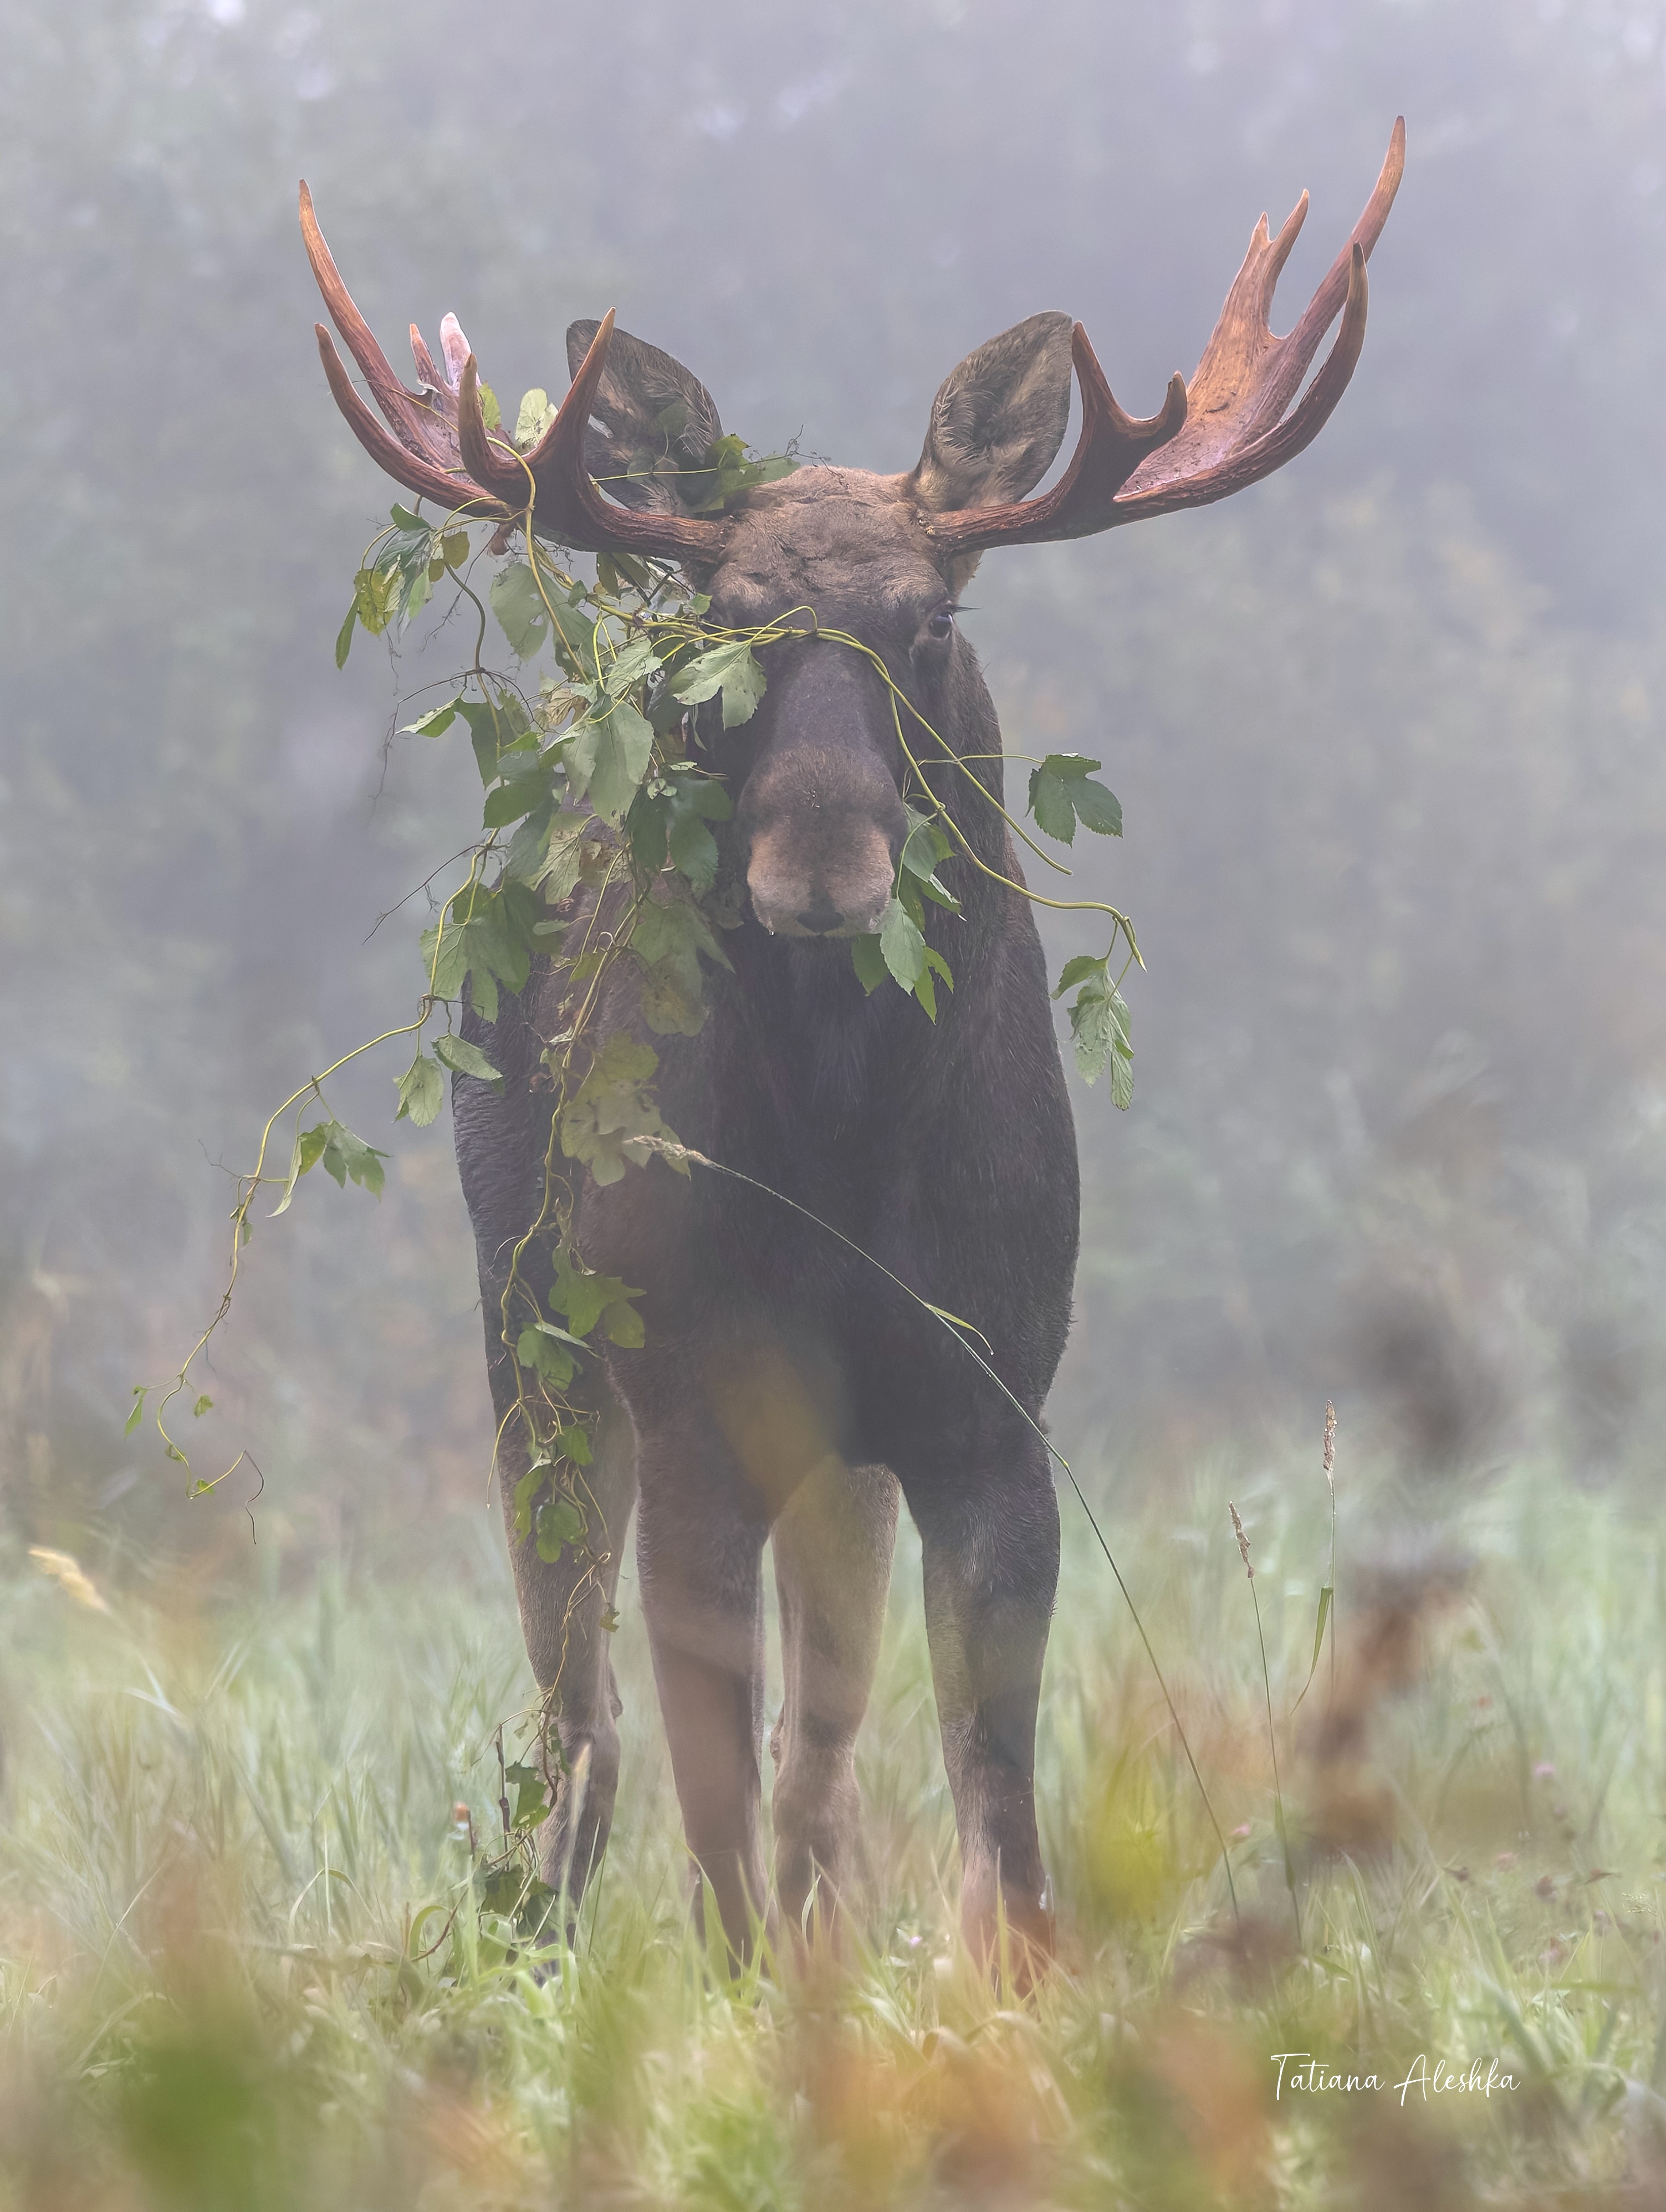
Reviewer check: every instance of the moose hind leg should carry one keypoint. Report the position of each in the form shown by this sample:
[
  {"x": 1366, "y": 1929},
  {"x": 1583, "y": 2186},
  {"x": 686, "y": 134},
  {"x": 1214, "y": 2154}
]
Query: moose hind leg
[
  {"x": 832, "y": 1543},
  {"x": 989, "y": 1541},
  {"x": 564, "y": 1607}
]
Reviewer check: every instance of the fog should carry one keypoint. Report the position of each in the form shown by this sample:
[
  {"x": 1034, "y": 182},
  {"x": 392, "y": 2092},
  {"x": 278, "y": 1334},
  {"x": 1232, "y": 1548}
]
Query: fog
[{"x": 1385, "y": 728}]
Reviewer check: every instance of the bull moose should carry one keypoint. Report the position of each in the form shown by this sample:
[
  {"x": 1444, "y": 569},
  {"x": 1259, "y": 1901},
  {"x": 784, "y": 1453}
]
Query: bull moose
[{"x": 786, "y": 1390}]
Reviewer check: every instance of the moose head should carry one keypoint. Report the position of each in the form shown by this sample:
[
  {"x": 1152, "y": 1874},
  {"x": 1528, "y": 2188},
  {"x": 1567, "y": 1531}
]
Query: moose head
[{"x": 882, "y": 557}]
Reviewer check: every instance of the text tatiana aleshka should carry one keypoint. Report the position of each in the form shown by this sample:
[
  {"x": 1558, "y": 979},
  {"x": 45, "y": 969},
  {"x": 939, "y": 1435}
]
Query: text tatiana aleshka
[{"x": 1300, "y": 2069}]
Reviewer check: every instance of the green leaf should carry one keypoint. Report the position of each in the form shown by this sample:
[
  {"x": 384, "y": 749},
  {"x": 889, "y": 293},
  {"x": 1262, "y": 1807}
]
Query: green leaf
[
  {"x": 1326, "y": 1595},
  {"x": 524, "y": 1491},
  {"x": 1100, "y": 1027},
  {"x": 344, "y": 634},
  {"x": 924, "y": 990},
  {"x": 375, "y": 597},
  {"x": 434, "y": 723},
  {"x": 307, "y": 1152},
  {"x": 695, "y": 801},
  {"x": 632, "y": 666},
  {"x": 575, "y": 639},
  {"x": 550, "y": 858},
  {"x": 421, "y": 1092},
  {"x": 531, "y": 1803},
  {"x": 613, "y": 1110},
  {"x": 445, "y": 957},
  {"x": 490, "y": 730},
  {"x": 533, "y": 419},
  {"x": 725, "y": 470},
  {"x": 509, "y": 801},
  {"x": 1096, "y": 808},
  {"x": 465, "y": 1058},
  {"x": 491, "y": 413},
  {"x": 584, "y": 1298},
  {"x": 559, "y": 1521},
  {"x": 418, "y": 590},
  {"x": 1122, "y": 1080},
  {"x": 693, "y": 850},
  {"x": 647, "y": 826},
  {"x": 571, "y": 1441},
  {"x": 731, "y": 669},
  {"x": 348, "y": 1158},
  {"x": 1078, "y": 971},
  {"x": 203, "y": 1405},
  {"x": 539, "y": 1348},
  {"x": 901, "y": 945},
  {"x": 141, "y": 1391},
  {"x": 1061, "y": 793},
  {"x": 869, "y": 961},
  {"x": 518, "y": 602},
  {"x": 1050, "y": 802},
  {"x": 622, "y": 1325},
  {"x": 607, "y": 759},
  {"x": 667, "y": 939}
]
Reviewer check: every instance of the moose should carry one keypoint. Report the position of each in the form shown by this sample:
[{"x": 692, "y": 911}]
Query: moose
[{"x": 786, "y": 1390}]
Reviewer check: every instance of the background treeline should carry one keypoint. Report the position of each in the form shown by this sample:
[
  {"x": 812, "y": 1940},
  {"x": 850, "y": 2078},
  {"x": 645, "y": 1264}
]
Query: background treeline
[{"x": 1385, "y": 730}]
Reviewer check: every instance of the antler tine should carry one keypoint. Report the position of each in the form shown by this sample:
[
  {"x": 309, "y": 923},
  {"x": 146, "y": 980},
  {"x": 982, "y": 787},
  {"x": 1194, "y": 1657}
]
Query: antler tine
[
  {"x": 1247, "y": 464},
  {"x": 449, "y": 488},
  {"x": 1223, "y": 431},
  {"x": 436, "y": 387},
  {"x": 407, "y": 412},
  {"x": 1247, "y": 377},
  {"x": 491, "y": 461}
]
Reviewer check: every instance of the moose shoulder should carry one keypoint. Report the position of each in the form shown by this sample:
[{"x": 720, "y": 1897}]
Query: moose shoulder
[{"x": 784, "y": 1388}]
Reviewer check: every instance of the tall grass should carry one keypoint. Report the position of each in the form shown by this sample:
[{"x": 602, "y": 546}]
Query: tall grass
[{"x": 243, "y": 1962}]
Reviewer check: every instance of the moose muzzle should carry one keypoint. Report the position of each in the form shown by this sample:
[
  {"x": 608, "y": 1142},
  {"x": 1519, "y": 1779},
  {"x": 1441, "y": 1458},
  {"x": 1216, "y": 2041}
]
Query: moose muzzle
[{"x": 821, "y": 811}]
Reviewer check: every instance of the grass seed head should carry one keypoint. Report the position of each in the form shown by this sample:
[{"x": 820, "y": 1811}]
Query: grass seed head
[
  {"x": 70, "y": 1576},
  {"x": 1243, "y": 1541},
  {"x": 1331, "y": 1446}
]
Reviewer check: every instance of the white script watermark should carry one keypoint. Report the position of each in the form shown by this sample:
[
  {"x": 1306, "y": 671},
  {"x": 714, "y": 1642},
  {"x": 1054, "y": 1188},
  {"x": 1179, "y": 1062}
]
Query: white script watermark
[{"x": 1425, "y": 2078}]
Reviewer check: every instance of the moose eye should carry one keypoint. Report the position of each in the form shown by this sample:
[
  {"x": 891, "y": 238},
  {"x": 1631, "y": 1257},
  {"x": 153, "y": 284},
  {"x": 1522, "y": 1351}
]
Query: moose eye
[{"x": 941, "y": 625}]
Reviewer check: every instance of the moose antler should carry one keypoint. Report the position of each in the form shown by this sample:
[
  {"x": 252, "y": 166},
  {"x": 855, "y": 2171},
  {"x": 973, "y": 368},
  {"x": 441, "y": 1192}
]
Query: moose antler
[
  {"x": 437, "y": 443},
  {"x": 1228, "y": 429}
]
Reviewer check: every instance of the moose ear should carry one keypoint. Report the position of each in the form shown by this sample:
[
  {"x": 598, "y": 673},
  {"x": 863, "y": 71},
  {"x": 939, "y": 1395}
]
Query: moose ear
[
  {"x": 657, "y": 424},
  {"x": 998, "y": 422}
]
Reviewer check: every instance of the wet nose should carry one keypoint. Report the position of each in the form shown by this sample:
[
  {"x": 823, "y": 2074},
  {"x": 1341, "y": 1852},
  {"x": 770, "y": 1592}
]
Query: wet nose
[{"x": 820, "y": 916}]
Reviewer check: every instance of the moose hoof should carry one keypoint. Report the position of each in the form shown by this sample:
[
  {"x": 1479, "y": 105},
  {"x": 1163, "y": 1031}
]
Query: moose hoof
[{"x": 1008, "y": 1929}]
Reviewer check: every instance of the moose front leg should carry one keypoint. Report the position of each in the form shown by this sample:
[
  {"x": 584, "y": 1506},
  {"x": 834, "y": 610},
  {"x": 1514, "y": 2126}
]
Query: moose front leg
[
  {"x": 989, "y": 1539},
  {"x": 832, "y": 1543},
  {"x": 564, "y": 1607},
  {"x": 699, "y": 1552}
]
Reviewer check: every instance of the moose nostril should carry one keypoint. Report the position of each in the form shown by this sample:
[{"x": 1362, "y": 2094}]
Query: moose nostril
[{"x": 820, "y": 916}]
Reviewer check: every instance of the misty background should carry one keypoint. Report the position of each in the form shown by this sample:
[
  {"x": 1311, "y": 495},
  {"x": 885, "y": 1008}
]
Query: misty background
[{"x": 1384, "y": 728}]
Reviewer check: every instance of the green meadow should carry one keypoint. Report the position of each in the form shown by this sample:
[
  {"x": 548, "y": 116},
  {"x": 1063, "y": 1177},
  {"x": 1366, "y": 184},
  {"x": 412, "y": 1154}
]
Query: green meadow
[{"x": 251, "y": 1956}]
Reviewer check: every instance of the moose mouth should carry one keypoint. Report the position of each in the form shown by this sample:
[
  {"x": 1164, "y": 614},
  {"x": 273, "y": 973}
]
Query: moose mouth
[{"x": 797, "y": 896}]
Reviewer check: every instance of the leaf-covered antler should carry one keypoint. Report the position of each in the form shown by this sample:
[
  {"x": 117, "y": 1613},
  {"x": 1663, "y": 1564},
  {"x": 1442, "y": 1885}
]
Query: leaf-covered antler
[
  {"x": 437, "y": 442},
  {"x": 1224, "y": 431}
]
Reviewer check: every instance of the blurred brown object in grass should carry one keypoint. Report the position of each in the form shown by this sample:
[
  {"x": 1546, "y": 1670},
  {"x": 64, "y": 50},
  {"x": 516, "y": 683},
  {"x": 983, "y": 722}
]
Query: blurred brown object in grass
[{"x": 1350, "y": 1810}]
